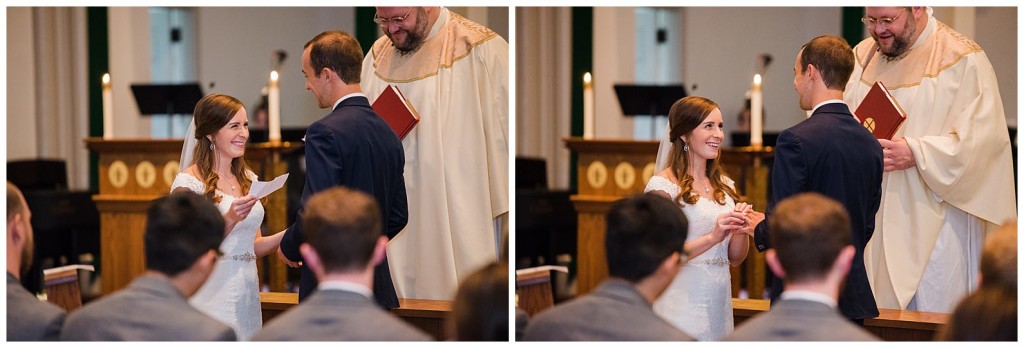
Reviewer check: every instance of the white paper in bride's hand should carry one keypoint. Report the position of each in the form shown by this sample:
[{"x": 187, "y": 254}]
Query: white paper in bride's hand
[{"x": 260, "y": 189}]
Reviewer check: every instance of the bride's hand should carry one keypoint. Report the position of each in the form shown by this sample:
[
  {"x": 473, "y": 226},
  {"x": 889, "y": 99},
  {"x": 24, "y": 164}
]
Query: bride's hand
[
  {"x": 239, "y": 209},
  {"x": 726, "y": 223}
]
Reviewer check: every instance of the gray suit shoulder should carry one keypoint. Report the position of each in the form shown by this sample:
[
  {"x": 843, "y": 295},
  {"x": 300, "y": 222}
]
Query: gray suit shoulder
[
  {"x": 28, "y": 318},
  {"x": 333, "y": 315},
  {"x": 148, "y": 310},
  {"x": 613, "y": 312},
  {"x": 800, "y": 321}
]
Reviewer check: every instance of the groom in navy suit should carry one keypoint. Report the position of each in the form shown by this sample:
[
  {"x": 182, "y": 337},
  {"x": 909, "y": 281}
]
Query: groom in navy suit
[
  {"x": 832, "y": 154},
  {"x": 353, "y": 147}
]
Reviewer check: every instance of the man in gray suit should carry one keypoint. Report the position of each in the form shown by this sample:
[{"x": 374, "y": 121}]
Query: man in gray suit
[
  {"x": 811, "y": 251},
  {"x": 183, "y": 232},
  {"x": 28, "y": 318},
  {"x": 644, "y": 249},
  {"x": 343, "y": 245}
]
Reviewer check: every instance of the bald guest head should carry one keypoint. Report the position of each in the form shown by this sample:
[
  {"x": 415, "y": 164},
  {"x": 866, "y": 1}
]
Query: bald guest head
[{"x": 19, "y": 232}]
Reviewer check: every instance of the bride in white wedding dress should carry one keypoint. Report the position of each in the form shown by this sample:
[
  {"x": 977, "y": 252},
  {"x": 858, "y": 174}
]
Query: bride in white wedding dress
[
  {"x": 699, "y": 300},
  {"x": 213, "y": 152}
]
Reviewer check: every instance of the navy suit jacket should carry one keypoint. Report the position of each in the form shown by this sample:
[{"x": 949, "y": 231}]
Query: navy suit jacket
[
  {"x": 355, "y": 148},
  {"x": 832, "y": 154}
]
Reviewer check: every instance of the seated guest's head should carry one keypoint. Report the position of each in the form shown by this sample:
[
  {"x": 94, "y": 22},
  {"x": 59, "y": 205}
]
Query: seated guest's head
[
  {"x": 644, "y": 242},
  {"x": 810, "y": 235},
  {"x": 999, "y": 257},
  {"x": 342, "y": 228},
  {"x": 19, "y": 232},
  {"x": 480, "y": 311},
  {"x": 343, "y": 245},
  {"x": 990, "y": 313},
  {"x": 183, "y": 232}
]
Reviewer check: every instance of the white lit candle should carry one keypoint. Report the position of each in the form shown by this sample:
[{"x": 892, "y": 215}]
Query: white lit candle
[
  {"x": 108, "y": 112},
  {"x": 274, "y": 109},
  {"x": 588, "y": 107},
  {"x": 755, "y": 112}
]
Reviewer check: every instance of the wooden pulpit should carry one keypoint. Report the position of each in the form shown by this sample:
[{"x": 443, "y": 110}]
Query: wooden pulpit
[
  {"x": 609, "y": 170},
  {"x": 133, "y": 173}
]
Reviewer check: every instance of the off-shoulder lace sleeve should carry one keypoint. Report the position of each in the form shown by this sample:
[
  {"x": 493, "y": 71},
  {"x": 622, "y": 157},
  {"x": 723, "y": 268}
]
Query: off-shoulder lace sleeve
[
  {"x": 660, "y": 183},
  {"x": 188, "y": 181}
]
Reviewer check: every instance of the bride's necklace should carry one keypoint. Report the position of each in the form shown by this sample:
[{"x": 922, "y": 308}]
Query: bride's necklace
[{"x": 707, "y": 185}]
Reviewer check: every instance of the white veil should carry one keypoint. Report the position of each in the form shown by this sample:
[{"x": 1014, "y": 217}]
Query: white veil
[
  {"x": 189, "y": 146},
  {"x": 664, "y": 150}
]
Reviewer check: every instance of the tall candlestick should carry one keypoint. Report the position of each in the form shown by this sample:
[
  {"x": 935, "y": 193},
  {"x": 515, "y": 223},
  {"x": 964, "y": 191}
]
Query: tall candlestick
[
  {"x": 755, "y": 112},
  {"x": 588, "y": 107},
  {"x": 108, "y": 112},
  {"x": 274, "y": 109}
]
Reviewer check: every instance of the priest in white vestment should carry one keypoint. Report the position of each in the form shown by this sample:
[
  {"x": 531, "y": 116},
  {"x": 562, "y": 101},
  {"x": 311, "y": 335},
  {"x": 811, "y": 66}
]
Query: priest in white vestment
[
  {"x": 454, "y": 72},
  {"x": 948, "y": 175}
]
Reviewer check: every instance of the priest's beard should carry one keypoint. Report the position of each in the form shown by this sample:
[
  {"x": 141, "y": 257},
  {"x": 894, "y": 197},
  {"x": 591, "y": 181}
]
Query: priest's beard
[
  {"x": 413, "y": 38},
  {"x": 900, "y": 43}
]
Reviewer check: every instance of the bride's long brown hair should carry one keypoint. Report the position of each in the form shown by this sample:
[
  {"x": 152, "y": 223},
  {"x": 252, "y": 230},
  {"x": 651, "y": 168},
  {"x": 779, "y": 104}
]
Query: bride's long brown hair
[
  {"x": 211, "y": 114},
  {"x": 684, "y": 116}
]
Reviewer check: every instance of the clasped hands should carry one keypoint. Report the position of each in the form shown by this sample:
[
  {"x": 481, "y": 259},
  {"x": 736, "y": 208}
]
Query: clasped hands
[{"x": 741, "y": 220}]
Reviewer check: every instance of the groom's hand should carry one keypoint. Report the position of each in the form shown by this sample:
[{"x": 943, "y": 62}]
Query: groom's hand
[{"x": 290, "y": 263}]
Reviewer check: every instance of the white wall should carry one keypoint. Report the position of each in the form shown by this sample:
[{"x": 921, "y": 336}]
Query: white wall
[
  {"x": 235, "y": 46},
  {"x": 721, "y": 45},
  {"x": 614, "y": 62},
  {"x": 21, "y": 96},
  {"x": 996, "y": 32},
  {"x": 128, "y": 29}
]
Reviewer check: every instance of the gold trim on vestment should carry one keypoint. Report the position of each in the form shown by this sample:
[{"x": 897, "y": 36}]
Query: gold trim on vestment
[{"x": 962, "y": 46}]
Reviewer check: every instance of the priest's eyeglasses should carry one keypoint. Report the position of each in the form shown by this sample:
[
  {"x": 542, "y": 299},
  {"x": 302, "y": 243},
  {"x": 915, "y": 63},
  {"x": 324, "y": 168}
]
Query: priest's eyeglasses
[
  {"x": 885, "y": 22},
  {"x": 396, "y": 21}
]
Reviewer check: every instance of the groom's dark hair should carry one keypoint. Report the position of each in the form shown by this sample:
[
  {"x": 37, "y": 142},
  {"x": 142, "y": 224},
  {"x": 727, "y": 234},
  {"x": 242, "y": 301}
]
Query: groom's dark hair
[
  {"x": 338, "y": 51},
  {"x": 180, "y": 228},
  {"x": 343, "y": 226}
]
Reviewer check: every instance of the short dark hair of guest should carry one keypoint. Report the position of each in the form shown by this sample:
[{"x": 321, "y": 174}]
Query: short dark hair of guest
[
  {"x": 180, "y": 228},
  {"x": 808, "y": 231},
  {"x": 338, "y": 51},
  {"x": 832, "y": 56},
  {"x": 480, "y": 310},
  {"x": 343, "y": 226},
  {"x": 642, "y": 231}
]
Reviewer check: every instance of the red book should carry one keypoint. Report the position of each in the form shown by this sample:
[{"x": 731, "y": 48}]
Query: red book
[
  {"x": 880, "y": 113},
  {"x": 392, "y": 106}
]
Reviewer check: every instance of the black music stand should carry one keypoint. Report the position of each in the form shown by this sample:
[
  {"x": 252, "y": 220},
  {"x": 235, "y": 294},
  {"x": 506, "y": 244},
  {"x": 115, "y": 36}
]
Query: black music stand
[
  {"x": 653, "y": 100},
  {"x": 167, "y": 99}
]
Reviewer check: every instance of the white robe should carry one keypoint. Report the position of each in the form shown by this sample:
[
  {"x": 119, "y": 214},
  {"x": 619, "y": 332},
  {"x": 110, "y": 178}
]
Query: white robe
[
  {"x": 456, "y": 158},
  {"x": 933, "y": 217}
]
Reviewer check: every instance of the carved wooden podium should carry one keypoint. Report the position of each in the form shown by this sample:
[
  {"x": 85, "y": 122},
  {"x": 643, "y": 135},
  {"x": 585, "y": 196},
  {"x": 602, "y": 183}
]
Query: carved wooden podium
[
  {"x": 608, "y": 170},
  {"x": 134, "y": 172}
]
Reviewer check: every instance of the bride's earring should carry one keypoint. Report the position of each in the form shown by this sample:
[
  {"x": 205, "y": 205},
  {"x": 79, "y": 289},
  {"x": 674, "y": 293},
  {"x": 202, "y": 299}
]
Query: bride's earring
[
  {"x": 211, "y": 146},
  {"x": 686, "y": 148}
]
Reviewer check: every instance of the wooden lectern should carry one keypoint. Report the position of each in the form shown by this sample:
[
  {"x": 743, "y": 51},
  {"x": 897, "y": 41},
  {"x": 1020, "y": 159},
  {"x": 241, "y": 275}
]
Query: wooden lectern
[
  {"x": 134, "y": 172},
  {"x": 608, "y": 170}
]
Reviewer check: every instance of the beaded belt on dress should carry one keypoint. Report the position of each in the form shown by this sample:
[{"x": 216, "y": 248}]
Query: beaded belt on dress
[
  {"x": 247, "y": 257},
  {"x": 713, "y": 262}
]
